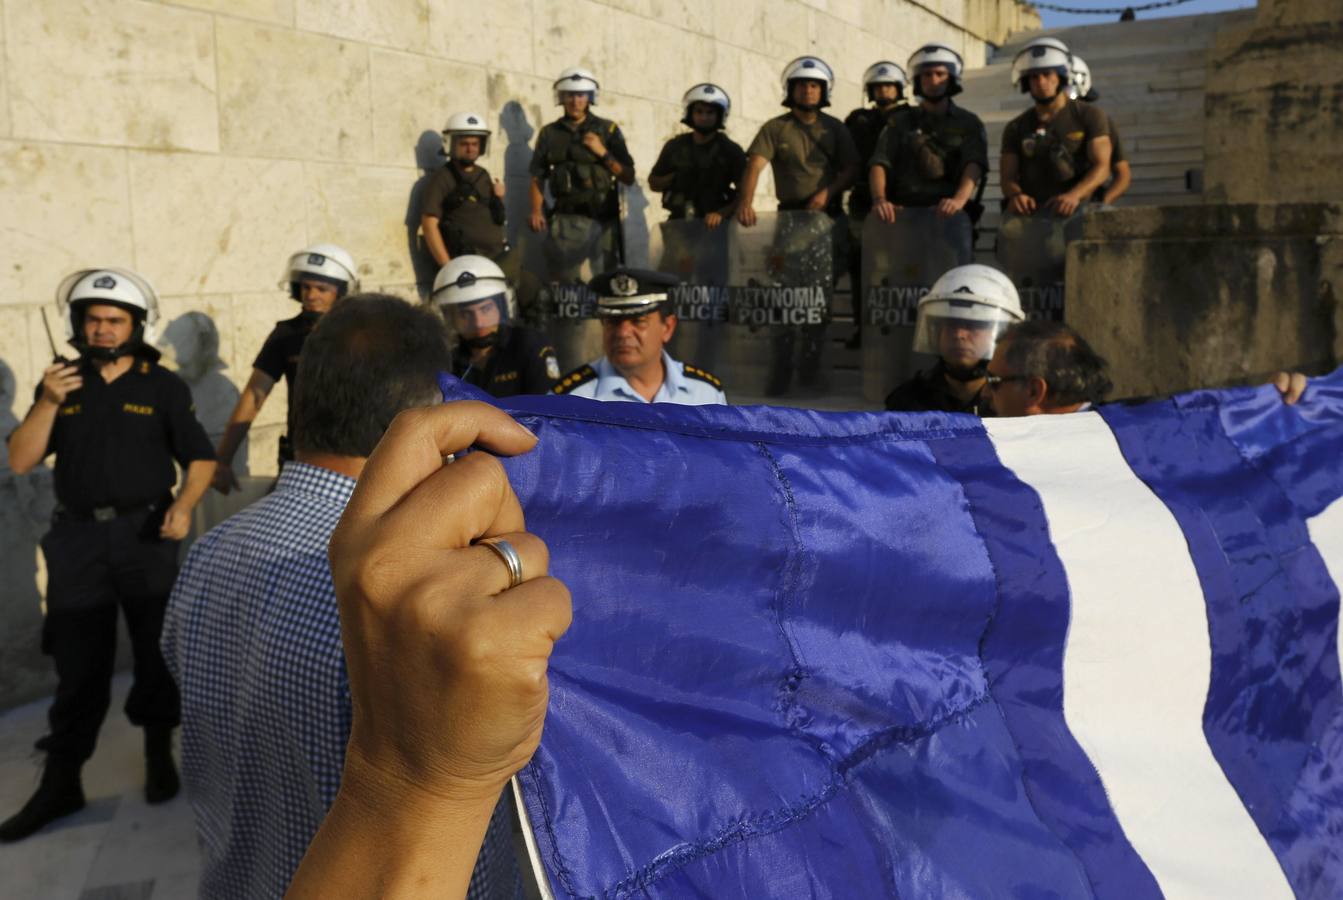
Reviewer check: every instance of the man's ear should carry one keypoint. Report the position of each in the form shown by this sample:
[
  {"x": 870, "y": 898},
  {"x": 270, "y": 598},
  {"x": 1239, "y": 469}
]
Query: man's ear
[
  {"x": 1037, "y": 392},
  {"x": 671, "y": 328}
]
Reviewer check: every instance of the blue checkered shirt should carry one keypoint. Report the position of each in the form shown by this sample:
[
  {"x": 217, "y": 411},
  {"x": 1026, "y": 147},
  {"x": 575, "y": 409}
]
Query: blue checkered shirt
[{"x": 252, "y": 636}]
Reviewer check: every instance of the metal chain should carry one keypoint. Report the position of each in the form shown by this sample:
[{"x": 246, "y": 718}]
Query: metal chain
[{"x": 1109, "y": 11}]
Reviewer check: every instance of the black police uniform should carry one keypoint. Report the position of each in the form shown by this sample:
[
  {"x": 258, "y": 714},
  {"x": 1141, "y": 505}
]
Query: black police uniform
[
  {"x": 115, "y": 444},
  {"x": 706, "y": 175},
  {"x": 865, "y": 124},
  {"x": 523, "y": 362},
  {"x": 279, "y": 359},
  {"x": 928, "y": 391}
]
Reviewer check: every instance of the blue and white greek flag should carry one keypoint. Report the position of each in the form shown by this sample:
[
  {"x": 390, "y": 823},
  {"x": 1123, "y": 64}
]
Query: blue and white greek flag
[{"x": 881, "y": 655}]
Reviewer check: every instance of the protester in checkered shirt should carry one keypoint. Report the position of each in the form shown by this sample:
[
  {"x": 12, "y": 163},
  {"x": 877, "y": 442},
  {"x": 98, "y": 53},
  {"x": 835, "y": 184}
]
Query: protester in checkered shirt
[{"x": 252, "y": 633}]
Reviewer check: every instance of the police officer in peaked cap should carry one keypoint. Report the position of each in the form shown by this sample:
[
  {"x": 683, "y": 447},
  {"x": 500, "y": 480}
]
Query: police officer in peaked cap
[
  {"x": 637, "y": 322},
  {"x": 117, "y": 422},
  {"x": 316, "y": 277}
]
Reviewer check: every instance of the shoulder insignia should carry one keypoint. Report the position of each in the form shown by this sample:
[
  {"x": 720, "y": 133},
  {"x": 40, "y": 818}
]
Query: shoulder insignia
[
  {"x": 700, "y": 375},
  {"x": 144, "y": 367},
  {"x": 581, "y": 375}
]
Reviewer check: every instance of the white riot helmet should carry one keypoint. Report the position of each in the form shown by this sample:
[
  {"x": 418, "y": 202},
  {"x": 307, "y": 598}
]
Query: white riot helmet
[
  {"x": 1079, "y": 85},
  {"x": 808, "y": 68},
  {"x": 466, "y": 124},
  {"x": 885, "y": 72},
  {"x": 1041, "y": 56},
  {"x": 321, "y": 262},
  {"x": 971, "y": 306},
  {"x": 473, "y": 296},
  {"x": 706, "y": 93},
  {"x": 116, "y": 287},
  {"x": 577, "y": 80},
  {"x": 937, "y": 55}
]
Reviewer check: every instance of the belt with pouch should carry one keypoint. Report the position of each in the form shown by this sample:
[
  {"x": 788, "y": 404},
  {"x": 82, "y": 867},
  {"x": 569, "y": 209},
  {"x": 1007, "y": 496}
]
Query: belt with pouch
[{"x": 100, "y": 513}]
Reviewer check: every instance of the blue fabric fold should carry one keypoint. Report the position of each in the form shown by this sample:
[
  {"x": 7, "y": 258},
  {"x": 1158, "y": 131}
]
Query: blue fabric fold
[{"x": 819, "y": 654}]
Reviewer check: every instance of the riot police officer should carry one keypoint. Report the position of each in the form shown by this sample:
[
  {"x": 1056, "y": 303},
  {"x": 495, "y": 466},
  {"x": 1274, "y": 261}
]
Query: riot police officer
[
  {"x": 884, "y": 84},
  {"x": 1057, "y": 153},
  {"x": 637, "y": 322},
  {"x": 316, "y": 277},
  {"x": 960, "y": 320},
  {"x": 1080, "y": 87},
  {"x": 697, "y": 172},
  {"x": 462, "y": 207},
  {"x": 933, "y": 153},
  {"x": 117, "y": 422},
  {"x": 814, "y": 161},
  {"x": 582, "y": 158},
  {"x": 491, "y": 351}
]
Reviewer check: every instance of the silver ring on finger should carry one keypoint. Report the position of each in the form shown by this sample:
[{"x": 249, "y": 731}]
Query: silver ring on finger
[{"x": 505, "y": 551}]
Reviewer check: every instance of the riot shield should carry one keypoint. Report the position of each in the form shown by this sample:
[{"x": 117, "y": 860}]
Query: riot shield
[
  {"x": 781, "y": 277},
  {"x": 901, "y": 260},
  {"x": 1032, "y": 250},
  {"x": 698, "y": 257},
  {"x": 574, "y": 249}
]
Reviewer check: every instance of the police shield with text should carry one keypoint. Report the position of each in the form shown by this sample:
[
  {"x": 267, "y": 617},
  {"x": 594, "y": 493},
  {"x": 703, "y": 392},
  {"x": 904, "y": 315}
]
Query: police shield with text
[
  {"x": 960, "y": 320},
  {"x": 637, "y": 322},
  {"x": 117, "y": 422},
  {"x": 490, "y": 350},
  {"x": 462, "y": 207},
  {"x": 316, "y": 278}
]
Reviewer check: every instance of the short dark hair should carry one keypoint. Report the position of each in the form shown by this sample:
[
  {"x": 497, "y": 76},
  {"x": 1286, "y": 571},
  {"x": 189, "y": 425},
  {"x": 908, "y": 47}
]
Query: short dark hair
[
  {"x": 1073, "y": 371},
  {"x": 369, "y": 358}
]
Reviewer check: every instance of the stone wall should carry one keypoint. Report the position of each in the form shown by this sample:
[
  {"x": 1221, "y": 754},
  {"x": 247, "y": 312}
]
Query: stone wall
[
  {"x": 1274, "y": 106},
  {"x": 1185, "y": 297},
  {"x": 200, "y": 142},
  {"x": 1251, "y": 282}
]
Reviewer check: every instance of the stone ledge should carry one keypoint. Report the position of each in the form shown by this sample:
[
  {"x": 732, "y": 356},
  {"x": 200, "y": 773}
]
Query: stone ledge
[{"x": 1214, "y": 221}]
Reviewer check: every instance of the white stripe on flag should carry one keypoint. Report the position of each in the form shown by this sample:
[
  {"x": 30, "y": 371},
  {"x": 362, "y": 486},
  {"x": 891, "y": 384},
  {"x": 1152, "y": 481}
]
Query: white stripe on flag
[
  {"x": 1138, "y": 661},
  {"x": 1326, "y": 533}
]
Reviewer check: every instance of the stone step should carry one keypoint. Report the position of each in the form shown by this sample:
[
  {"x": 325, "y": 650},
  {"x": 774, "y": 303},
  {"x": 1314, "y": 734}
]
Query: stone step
[
  {"x": 1137, "y": 33},
  {"x": 1172, "y": 71},
  {"x": 1186, "y": 112},
  {"x": 1138, "y": 96}
]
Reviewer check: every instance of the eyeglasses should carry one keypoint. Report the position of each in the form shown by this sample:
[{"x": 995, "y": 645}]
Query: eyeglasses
[{"x": 992, "y": 381}]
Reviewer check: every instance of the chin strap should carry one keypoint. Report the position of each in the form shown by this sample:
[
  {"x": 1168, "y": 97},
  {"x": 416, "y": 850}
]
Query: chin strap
[
  {"x": 111, "y": 354},
  {"x": 962, "y": 373}
]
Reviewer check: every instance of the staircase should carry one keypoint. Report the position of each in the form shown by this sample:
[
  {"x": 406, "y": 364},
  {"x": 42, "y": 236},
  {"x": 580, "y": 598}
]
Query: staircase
[{"x": 1149, "y": 74}]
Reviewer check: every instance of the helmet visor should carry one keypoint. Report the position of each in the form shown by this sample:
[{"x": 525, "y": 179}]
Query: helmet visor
[
  {"x": 962, "y": 337},
  {"x": 476, "y": 322}
]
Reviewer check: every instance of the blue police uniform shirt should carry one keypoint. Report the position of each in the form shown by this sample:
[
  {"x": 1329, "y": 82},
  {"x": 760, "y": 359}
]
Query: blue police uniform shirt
[{"x": 676, "y": 387}]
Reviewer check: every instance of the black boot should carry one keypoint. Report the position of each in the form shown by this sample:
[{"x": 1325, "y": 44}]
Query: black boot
[
  {"x": 59, "y": 794},
  {"x": 161, "y": 783}
]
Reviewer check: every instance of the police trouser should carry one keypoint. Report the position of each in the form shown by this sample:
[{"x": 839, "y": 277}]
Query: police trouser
[
  {"x": 855, "y": 259},
  {"x": 95, "y": 567},
  {"x": 573, "y": 240}
]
